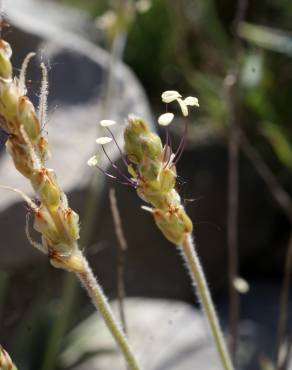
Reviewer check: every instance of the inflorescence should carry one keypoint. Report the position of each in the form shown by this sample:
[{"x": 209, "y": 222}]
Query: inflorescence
[{"x": 152, "y": 167}]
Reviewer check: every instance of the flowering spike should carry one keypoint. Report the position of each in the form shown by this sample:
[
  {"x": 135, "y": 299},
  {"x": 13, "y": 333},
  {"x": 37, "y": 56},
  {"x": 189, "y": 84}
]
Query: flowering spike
[{"x": 155, "y": 181}]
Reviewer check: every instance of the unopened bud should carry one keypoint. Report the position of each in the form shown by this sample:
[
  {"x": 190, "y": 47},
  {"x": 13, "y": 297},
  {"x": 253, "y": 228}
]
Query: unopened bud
[
  {"x": 71, "y": 221},
  {"x": 44, "y": 224},
  {"x": 174, "y": 224},
  {"x": 22, "y": 162},
  {"x": 167, "y": 180},
  {"x": 9, "y": 100},
  {"x": 5, "y": 64},
  {"x": 140, "y": 142},
  {"x": 150, "y": 170},
  {"x": 45, "y": 184},
  {"x": 28, "y": 118},
  {"x": 152, "y": 146}
]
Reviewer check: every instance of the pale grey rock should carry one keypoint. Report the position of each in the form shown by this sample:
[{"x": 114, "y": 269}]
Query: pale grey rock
[{"x": 165, "y": 335}]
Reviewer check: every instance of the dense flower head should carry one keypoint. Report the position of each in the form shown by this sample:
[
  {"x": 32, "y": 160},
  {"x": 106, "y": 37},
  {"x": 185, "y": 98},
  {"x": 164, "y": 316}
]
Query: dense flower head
[
  {"x": 56, "y": 222},
  {"x": 156, "y": 179},
  {"x": 152, "y": 167}
]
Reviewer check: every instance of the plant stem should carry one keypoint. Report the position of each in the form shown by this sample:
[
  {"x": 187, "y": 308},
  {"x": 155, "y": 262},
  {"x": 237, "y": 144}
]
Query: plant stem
[
  {"x": 200, "y": 283},
  {"x": 99, "y": 300},
  {"x": 121, "y": 254}
]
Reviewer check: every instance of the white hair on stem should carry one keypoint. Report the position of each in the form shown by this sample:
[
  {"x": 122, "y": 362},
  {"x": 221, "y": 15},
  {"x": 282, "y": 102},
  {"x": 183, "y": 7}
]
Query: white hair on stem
[
  {"x": 22, "y": 75},
  {"x": 43, "y": 102}
]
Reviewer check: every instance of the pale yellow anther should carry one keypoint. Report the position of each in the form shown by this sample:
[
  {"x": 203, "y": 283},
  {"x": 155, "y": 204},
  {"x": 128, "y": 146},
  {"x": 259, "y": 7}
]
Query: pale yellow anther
[
  {"x": 183, "y": 107},
  {"x": 241, "y": 285},
  {"x": 92, "y": 161},
  {"x": 192, "y": 101},
  {"x": 165, "y": 119},
  {"x": 103, "y": 140},
  {"x": 170, "y": 96},
  {"x": 107, "y": 123}
]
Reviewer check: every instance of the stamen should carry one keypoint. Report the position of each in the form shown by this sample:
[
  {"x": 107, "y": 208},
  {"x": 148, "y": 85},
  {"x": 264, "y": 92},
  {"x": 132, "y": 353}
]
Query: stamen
[
  {"x": 165, "y": 119},
  {"x": 166, "y": 144},
  {"x": 116, "y": 167},
  {"x": 127, "y": 183},
  {"x": 124, "y": 158},
  {"x": 181, "y": 146}
]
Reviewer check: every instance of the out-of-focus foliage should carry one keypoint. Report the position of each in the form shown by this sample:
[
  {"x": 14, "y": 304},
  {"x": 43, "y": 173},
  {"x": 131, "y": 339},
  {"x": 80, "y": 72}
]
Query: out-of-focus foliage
[
  {"x": 280, "y": 142},
  {"x": 190, "y": 46}
]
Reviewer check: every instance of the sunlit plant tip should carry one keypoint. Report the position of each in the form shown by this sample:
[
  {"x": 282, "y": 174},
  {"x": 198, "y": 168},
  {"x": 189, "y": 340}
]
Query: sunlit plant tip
[{"x": 165, "y": 119}]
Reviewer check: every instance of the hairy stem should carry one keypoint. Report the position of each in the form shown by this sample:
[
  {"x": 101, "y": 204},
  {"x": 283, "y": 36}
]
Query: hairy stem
[
  {"x": 197, "y": 275},
  {"x": 99, "y": 300}
]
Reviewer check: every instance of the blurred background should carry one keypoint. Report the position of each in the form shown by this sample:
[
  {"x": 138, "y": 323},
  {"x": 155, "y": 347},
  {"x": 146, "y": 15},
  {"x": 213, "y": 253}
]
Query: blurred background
[{"x": 107, "y": 59}]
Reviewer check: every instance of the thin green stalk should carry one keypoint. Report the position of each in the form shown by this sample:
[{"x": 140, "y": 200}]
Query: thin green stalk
[
  {"x": 200, "y": 283},
  {"x": 99, "y": 300}
]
